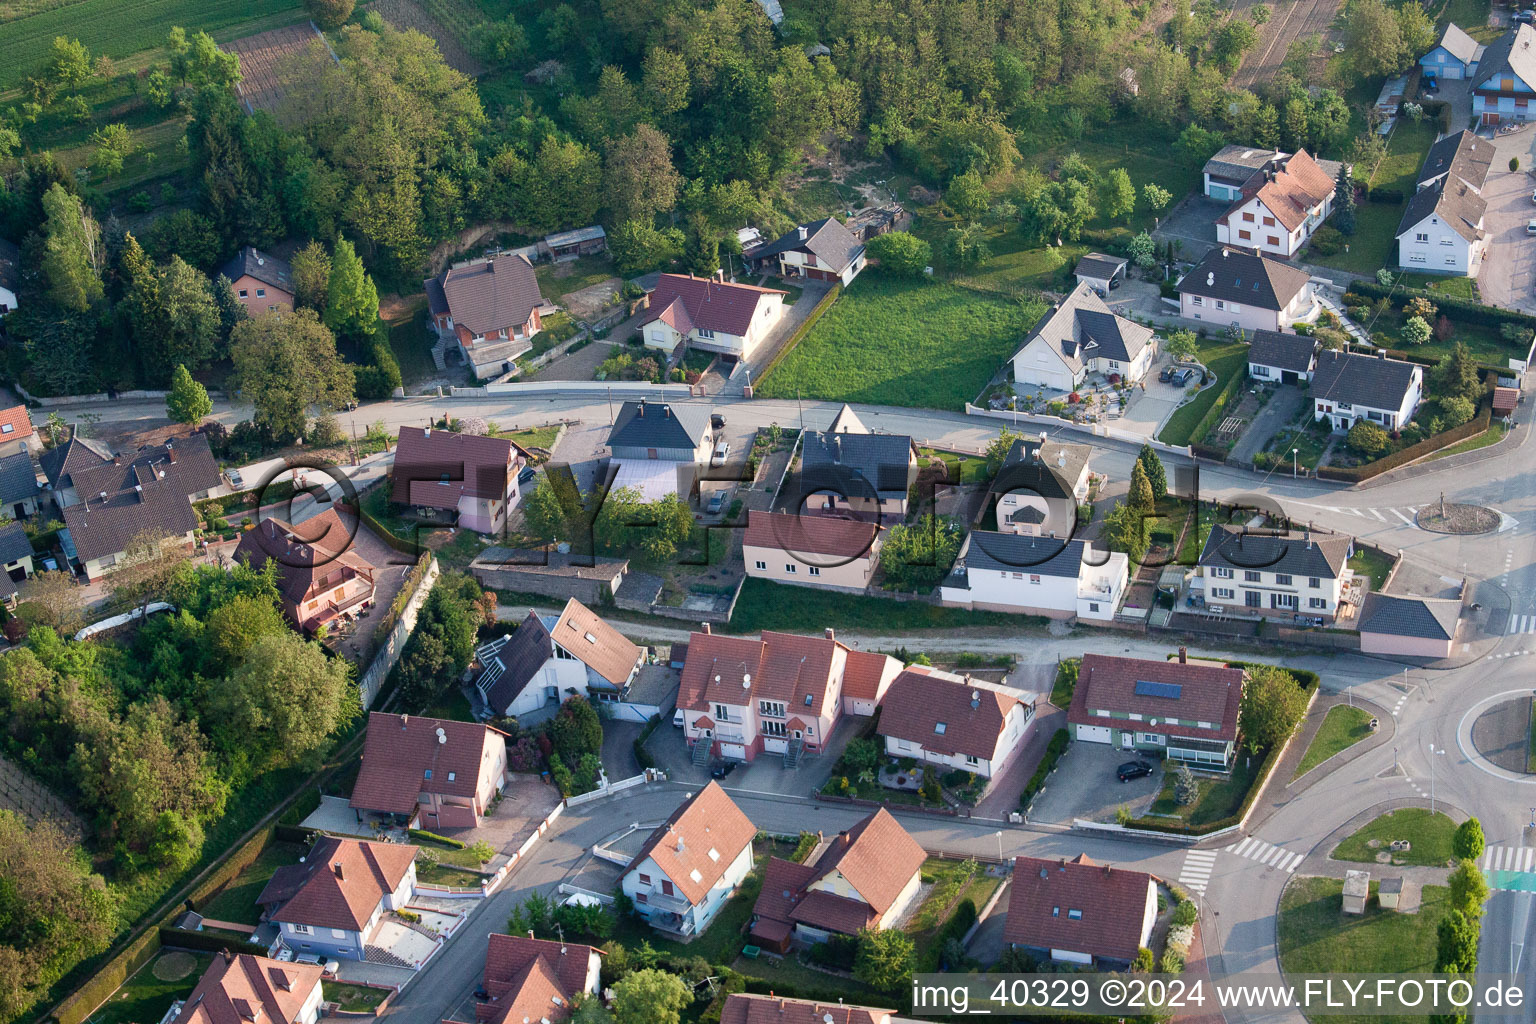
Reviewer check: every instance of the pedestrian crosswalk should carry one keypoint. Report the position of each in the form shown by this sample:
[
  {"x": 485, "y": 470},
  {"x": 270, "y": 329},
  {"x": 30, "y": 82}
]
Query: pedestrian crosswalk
[
  {"x": 1267, "y": 854},
  {"x": 1196, "y": 873},
  {"x": 1521, "y": 624},
  {"x": 1509, "y": 858}
]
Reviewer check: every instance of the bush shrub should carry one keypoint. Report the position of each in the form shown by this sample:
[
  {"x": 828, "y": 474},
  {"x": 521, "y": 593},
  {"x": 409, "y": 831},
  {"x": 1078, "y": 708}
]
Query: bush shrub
[
  {"x": 1053, "y": 752},
  {"x": 433, "y": 837}
]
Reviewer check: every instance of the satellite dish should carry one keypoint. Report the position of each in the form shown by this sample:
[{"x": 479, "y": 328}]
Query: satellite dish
[{"x": 442, "y": 737}]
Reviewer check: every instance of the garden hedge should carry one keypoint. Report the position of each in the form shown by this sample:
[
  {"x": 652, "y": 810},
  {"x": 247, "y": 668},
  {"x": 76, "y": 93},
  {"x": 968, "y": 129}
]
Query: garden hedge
[
  {"x": 1161, "y": 825},
  {"x": 1403, "y": 456},
  {"x": 418, "y": 833},
  {"x": 1053, "y": 752},
  {"x": 88, "y": 997},
  {"x": 409, "y": 547},
  {"x": 1213, "y": 414},
  {"x": 236, "y": 863},
  {"x": 804, "y": 329},
  {"x": 184, "y": 938},
  {"x": 1455, "y": 308}
]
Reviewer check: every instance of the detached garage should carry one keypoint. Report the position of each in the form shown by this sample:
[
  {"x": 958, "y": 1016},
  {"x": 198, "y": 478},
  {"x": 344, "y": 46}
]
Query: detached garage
[{"x": 1418, "y": 627}]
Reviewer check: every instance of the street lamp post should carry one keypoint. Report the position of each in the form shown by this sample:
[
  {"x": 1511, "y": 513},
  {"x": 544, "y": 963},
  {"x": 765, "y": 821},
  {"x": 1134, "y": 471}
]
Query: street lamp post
[
  {"x": 1000, "y": 846},
  {"x": 1294, "y": 462}
]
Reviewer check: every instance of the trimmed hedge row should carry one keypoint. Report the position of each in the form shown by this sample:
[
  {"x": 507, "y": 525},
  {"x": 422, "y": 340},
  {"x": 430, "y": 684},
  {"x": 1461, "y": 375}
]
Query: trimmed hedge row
[
  {"x": 955, "y": 928},
  {"x": 643, "y": 757},
  {"x": 408, "y": 547},
  {"x": 1354, "y": 474},
  {"x": 1213, "y": 414},
  {"x": 804, "y": 329},
  {"x": 1053, "y": 752},
  {"x": 402, "y": 597},
  {"x": 237, "y": 862},
  {"x": 183, "y": 938},
  {"x": 419, "y": 833},
  {"x": 85, "y": 1000}
]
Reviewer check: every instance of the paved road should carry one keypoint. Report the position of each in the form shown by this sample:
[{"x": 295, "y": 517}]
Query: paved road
[{"x": 1508, "y": 944}]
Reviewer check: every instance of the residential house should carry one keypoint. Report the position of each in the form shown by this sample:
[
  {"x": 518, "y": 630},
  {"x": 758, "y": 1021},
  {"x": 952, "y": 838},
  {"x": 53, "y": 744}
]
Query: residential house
[
  {"x": 1038, "y": 487},
  {"x": 691, "y": 865},
  {"x": 332, "y": 903},
  {"x": 10, "y": 275},
  {"x": 1100, "y": 272},
  {"x": 16, "y": 433},
  {"x": 262, "y": 282},
  {"x": 238, "y": 988},
  {"x": 18, "y": 485},
  {"x": 823, "y": 250},
  {"x": 1504, "y": 84},
  {"x": 321, "y": 576},
  {"x": 873, "y": 221},
  {"x": 1454, "y": 57},
  {"x": 471, "y": 478},
  {"x": 850, "y": 470},
  {"x": 811, "y": 551},
  {"x": 528, "y": 979},
  {"x": 1080, "y": 912},
  {"x": 1078, "y": 336},
  {"x": 1233, "y": 288},
  {"x": 710, "y": 314},
  {"x": 1228, "y": 172},
  {"x": 16, "y": 556},
  {"x": 431, "y": 773},
  {"x": 780, "y": 693},
  {"x": 953, "y": 721},
  {"x": 1412, "y": 627},
  {"x": 487, "y": 310},
  {"x": 551, "y": 658},
  {"x": 1351, "y": 386},
  {"x": 1032, "y": 575},
  {"x": 1273, "y": 573},
  {"x": 1442, "y": 229},
  {"x": 745, "y": 1008},
  {"x": 149, "y": 494},
  {"x": 1172, "y": 709},
  {"x": 1462, "y": 157},
  {"x": 1279, "y": 208},
  {"x": 866, "y": 877},
  {"x": 867, "y": 676},
  {"x": 570, "y": 245},
  {"x": 658, "y": 431},
  {"x": 1277, "y": 358},
  {"x": 63, "y": 460}
]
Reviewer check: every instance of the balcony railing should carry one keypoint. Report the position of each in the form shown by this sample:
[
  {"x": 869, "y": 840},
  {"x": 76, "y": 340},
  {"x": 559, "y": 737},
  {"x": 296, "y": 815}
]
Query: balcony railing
[{"x": 671, "y": 904}]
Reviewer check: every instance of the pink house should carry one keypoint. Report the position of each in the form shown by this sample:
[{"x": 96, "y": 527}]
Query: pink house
[
  {"x": 471, "y": 479},
  {"x": 442, "y": 773}
]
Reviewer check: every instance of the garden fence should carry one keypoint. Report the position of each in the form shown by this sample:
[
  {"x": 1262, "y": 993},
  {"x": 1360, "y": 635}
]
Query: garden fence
[{"x": 389, "y": 651}]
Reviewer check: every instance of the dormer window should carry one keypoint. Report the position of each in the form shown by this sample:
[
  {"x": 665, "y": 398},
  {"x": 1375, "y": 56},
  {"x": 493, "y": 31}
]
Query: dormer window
[
  {"x": 940, "y": 727},
  {"x": 452, "y": 776},
  {"x": 426, "y": 773}
]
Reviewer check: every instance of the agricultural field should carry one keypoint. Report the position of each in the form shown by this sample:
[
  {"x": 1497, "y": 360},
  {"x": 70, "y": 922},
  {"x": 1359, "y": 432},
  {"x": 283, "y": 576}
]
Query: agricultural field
[
  {"x": 262, "y": 58},
  {"x": 914, "y": 343},
  {"x": 451, "y": 23}
]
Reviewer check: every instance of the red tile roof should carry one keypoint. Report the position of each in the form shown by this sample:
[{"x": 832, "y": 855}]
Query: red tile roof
[
  {"x": 1206, "y": 693},
  {"x": 861, "y": 679},
  {"x": 434, "y": 468},
  {"x": 681, "y": 845},
  {"x": 596, "y": 644},
  {"x": 839, "y": 540},
  {"x": 1112, "y": 902},
  {"x": 234, "y": 986},
  {"x": 743, "y": 1008},
  {"x": 706, "y": 303},
  {"x": 918, "y": 703},
  {"x": 1505, "y": 399},
  {"x": 831, "y": 912},
  {"x": 402, "y": 750},
  {"x": 304, "y": 553},
  {"x": 339, "y": 884},
  {"x": 779, "y": 666},
  {"x": 526, "y": 976},
  {"x": 15, "y": 424},
  {"x": 1295, "y": 190}
]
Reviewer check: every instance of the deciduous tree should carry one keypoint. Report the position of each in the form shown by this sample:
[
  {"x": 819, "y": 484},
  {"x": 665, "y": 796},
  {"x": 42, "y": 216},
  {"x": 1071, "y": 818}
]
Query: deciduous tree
[
  {"x": 638, "y": 179},
  {"x": 285, "y": 700},
  {"x": 1119, "y": 195},
  {"x": 352, "y": 301},
  {"x": 69, "y": 62},
  {"x": 650, "y": 997},
  {"x": 312, "y": 276},
  {"x": 330, "y": 13},
  {"x": 1272, "y": 707},
  {"x": 1468, "y": 842},
  {"x": 72, "y": 251},
  {"x": 900, "y": 253},
  {"x": 884, "y": 960},
  {"x": 285, "y": 365}
]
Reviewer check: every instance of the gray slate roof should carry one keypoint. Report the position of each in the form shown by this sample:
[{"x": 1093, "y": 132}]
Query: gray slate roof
[
  {"x": 146, "y": 493},
  {"x": 10, "y": 265},
  {"x": 490, "y": 295},
  {"x": 642, "y": 424},
  {"x": 1239, "y": 163},
  {"x": 1238, "y": 276},
  {"x": 1464, "y": 155},
  {"x": 826, "y": 239},
  {"x": 1282, "y": 351},
  {"x": 1453, "y": 202},
  {"x": 1082, "y": 327},
  {"x": 18, "y": 480},
  {"x": 1458, "y": 44},
  {"x": 1010, "y": 552},
  {"x": 1362, "y": 380},
  {"x": 251, "y": 262},
  {"x": 509, "y": 662},
  {"x": 882, "y": 460},
  {"x": 1292, "y": 552},
  {"x": 14, "y": 544},
  {"x": 1050, "y": 469},
  {"x": 1425, "y": 617},
  {"x": 1512, "y": 53},
  {"x": 1099, "y": 266}
]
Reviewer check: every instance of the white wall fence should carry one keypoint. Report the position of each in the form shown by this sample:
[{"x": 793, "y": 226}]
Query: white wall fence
[
  {"x": 123, "y": 619},
  {"x": 620, "y": 390},
  {"x": 492, "y": 883},
  {"x": 1023, "y": 419},
  {"x": 606, "y": 788},
  {"x": 389, "y": 653},
  {"x": 101, "y": 397}
]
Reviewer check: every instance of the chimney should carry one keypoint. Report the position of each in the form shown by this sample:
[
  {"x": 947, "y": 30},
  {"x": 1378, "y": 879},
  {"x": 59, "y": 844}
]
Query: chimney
[
  {"x": 1183, "y": 656},
  {"x": 227, "y": 955},
  {"x": 706, "y": 629},
  {"x": 641, "y": 410},
  {"x": 405, "y": 720},
  {"x": 680, "y": 846},
  {"x": 818, "y": 836},
  {"x": 103, "y": 495},
  {"x": 170, "y": 453},
  {"x": 139, "y": 490},
  {"x": 530, "y": 933},
  {"x": 1061, "y": 458},
  {"x": 1381, "y": 353},
  {"x": 340, "y": 875},
  {"x": 804, "y": 234},
  {"x": 831, "y": 634},
  {"x": 1307, "y": 536},
  {"x": 666, "y": 411},
  {"x": 427, "y": 430}
]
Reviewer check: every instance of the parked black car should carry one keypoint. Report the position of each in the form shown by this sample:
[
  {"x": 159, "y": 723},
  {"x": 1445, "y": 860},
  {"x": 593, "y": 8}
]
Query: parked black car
[
  {"x": 716, "y": 420},
  {"x": 1166, "y": 375},
  {"x": 1133, "y": 770},
  {"x": 720, "y": 769},
  {"x": 526, "y": 475}
]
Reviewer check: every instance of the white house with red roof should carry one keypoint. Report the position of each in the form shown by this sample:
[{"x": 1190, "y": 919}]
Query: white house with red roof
[
  {"x": 1280, "y": 206},
  {"x": 471, "y": 478},
  {"x": 781, "y": 693},
  {"x": 529, "y": 979},
  {"x": 332, "y": 902},
  {"x": 691, "y": 865},
  {"x": 551, "y": 658},
  {"x": 1175, "y": 709},
  {"x": 488, "y": 310},
  {"x": 435, "y": 771},
  {"x": 16, "y": 434},
  {"x": 710, "y": 314},
  {"x": 953, "y": 721},
  {"x": 1079, "y": 912},
  {"x": 746, "y": 1008},
  {"x": 246, "y": 989}
]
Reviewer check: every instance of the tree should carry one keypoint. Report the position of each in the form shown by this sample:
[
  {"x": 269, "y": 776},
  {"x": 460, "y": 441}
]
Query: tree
[
  {"x": 55, "y": 599},
  {"x": 998, "y": 449},
  {"x": 664, "y": 82},
  {"x": 352, "y": 301},
  {"x": 1420, "y": 307},
  {"x": 918, "y": 555},
  {"x": 1182, "y": 345},
  {"x": 650, "y": 997},
  {"x": 1157, "y": 476},
  {"x": 1185, "y": 789},
  {"x": 900, "y": 253},
  {"x": 1119, "y": 195},
  {"x": 965, "y": 248},
  {"x": 1140, "y": 495},
  {"x": 237, "y": 625},
  {"x": 330, "y": 13},
  {"x": 311, "y": 267},
  {"x": 638, "y": 247},
  {"x": 1468, "y": 842},
  {"x": 1415, "y": 29},
  {"x": 1416, "y": 331},
  {"x": 286, "y": 364},
  {"x": 1469, "y": 890},
  {"x": 1344, "y": 201},
  {"x": 72, "y": 252},
  {"x": 1457, "y": 373},
  {"x": 1514, "y": 164},
  {"x": 1145, "y": 961},
  {"x": 1125, "y": 529},
  {"x": 1367, "y": 439},
  {"x": 884, "y": 960},
  {"x": 174, "y": 318},
  {"x": 285, "y": 700},
  {"x": 1456, "y": 410},
  {"x": 1143, "y": 251},
  {"x": 967, "y": 195},
  {"x": 1272, "y": 707},
  {"x": 576, "y": 730},
  {"x": 149, "y": 561},
  {"x": 1373, "y": 38},
  {"x": 114, "y": 145},
  {"x": 1457, "y": 943},
  {"x": 187, "y": 234},
  {"x": 69, "y": 62},
  {"x": 638, "y": 179},
  {"x": 544, "y": 516},
  {"x": 1156, "y": 196}
]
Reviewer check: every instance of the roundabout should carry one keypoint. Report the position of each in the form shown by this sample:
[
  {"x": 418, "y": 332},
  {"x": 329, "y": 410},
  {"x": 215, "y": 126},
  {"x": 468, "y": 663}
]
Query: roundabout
[{"x": 1493, "y": 735}]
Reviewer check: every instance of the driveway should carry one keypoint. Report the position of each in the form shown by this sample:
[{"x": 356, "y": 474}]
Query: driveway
[
  {"x": 1283, "y": 409},
  {"x": 763, "y": 774},
  {"x": 794, "y": 316},
  {"x": 1151, "y": 404},
  {"x": 619, "y": 749},
  {"x": 525, "y": 803},
  {"x": 578, "y": 365},
  {"x": 1191, "y": 226},
  {"x": 1084, "y": 786},
  {"x": 1509, "y": 271}
]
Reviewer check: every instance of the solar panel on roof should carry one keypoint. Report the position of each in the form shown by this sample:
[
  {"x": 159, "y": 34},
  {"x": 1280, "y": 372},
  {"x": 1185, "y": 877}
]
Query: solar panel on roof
[{"x": 1150, "y": 689}]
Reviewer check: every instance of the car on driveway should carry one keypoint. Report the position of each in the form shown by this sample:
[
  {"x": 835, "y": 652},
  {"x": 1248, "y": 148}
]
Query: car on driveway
[
  {"x": 716, "y": 503},
  {"x": 716, "y": 420},
  {"x": 720, "y": 769},
  {"x": 1530, "y": 227},
  {"x": 1166, "y": 375},
  {"x": 722, "y": 452},
  {"x": 1182, "y": 377},
  {"x": 1133, "y": 770},
  {"x": 235, "y": 479},
  {"x": 526, "y": 475}
]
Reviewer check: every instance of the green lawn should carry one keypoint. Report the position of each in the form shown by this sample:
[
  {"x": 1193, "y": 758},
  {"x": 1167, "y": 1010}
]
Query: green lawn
[
  {"x": 952, "y": 883},
  {"x": 236, "y": 902},
  {"x": 1317, "y": 937},
  {"x": 557, "y": 280},
  {"x": 1220, "y": 796},
  {"x": 532, "y": 437},
  {"x": 1470, "y": 15},
  {"x": 1310, "y": 440},
  {"x": 1457, "y": 287},
  {"x": 1373, "y": 244},
  {"x": 1429, "y": 833},
  {"x": 445, "y": 874},
  {"x": 1493, "y": 435},
  {"x": 912, "y": 343},
  {"x": 354, "y": 998},
  {"x": 966, "y": 469},
  {"x": 1342, "y": 728},
  {"x": 1399, "y": 172},
  {"x": 1066, "y": 682},
  {"x": 767, "y": 605},
  {"x": 144, "y": 997},
  {"x": 1369, "y": 562},
  {"x": 1223, "y": 358}
]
